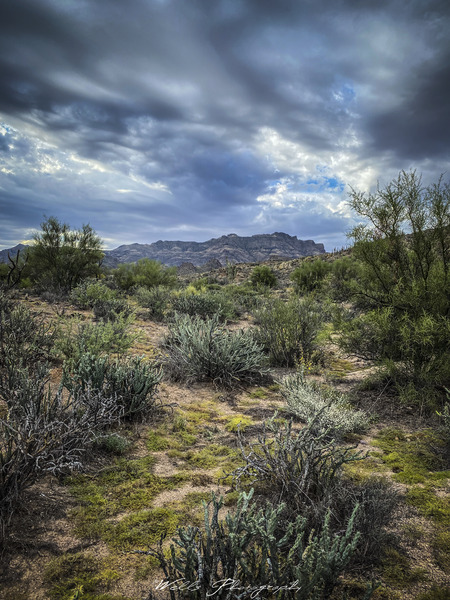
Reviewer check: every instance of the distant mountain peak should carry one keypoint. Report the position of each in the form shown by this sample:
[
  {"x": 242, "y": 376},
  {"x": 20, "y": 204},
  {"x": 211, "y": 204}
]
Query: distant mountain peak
[{"x": 227, "y": 248}]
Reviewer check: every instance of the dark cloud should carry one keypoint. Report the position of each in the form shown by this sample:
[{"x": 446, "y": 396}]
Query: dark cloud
[{"x": 172, "y": 119}]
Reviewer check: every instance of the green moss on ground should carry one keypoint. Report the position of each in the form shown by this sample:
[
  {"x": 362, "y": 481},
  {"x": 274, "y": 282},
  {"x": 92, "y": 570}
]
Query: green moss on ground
[
  {"x": 129, "y": 485},
  {"x": 80, "y": 575},
  {"x": 437, "y": 508},
  {"x": 414, "y": 458},
  {"x": 240, "y": 422},
  {"x": 210, "y": 457},
  {"x": 259, "y": 393},
  {"x": 396, "y": 570},
  {"x": 142, "y": 529}
]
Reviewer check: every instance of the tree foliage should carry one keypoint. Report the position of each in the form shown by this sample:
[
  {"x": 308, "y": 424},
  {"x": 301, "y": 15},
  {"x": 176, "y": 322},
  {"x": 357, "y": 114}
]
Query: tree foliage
[
  {"x": 144, "y": 273},
  {"x": 263, "y": 276},
  {"x": 310, "y": 275},
  {"x": 404, "y": 285},
  {"x": 60, "y": 257}
]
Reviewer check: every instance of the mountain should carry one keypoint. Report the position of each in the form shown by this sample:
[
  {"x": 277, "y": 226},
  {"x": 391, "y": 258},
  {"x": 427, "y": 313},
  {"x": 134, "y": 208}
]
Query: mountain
[
  {"x": 12, "y": 252},
  {"x": 231, "y": 248}
]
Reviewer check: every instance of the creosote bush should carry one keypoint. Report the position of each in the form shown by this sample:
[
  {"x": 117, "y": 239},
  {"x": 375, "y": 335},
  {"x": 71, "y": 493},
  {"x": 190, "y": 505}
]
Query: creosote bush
[
  {"x": 144, "y": 273},
  {"x": 288, "y": 330},
  {"x": 310, "y": 275},
  {"x": 99, "y": 338},
  {"x": 249, "y": 551},
  {"x": 201, "y": 349},
  {"x": 205, "y": 305},
  {"x": 263, "y": 276},
  {"x": 87, "y": 293},
  {"x": 112, "y": 310},
  {"x": 156, "y": 299}
]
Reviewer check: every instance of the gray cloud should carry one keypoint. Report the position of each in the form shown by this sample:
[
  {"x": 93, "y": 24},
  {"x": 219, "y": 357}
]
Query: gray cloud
[{"x": 170, "y": 119}]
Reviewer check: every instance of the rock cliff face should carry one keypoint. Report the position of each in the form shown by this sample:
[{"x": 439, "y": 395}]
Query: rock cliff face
[{"x": 232, "y": 248}]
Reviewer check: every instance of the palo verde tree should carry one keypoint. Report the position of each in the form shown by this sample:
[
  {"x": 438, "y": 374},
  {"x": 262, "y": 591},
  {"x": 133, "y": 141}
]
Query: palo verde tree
[
  {"x": 60, "y": 257},
  {"x": 403, "y": 290}
]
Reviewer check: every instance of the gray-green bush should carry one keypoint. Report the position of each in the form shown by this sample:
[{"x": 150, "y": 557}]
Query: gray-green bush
[
  {"x": 204, "y": 305},
  {"x": 201, "y": 349},
  {"x": 132, "y": 381},
  {"x": 26, "y": 342},
  {"x": 304, "y": 469},
  {"x": 46, "y": 433},
  {"x": 327, "y": 409}
]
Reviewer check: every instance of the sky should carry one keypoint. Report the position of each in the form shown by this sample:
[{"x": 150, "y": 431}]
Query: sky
[{"x": 192, "y": 119}]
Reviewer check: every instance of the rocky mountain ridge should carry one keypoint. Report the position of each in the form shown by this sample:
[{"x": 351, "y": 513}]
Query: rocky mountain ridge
[
  {"x": 216, "y": 252},
  {"x": 228, "y": 248}
]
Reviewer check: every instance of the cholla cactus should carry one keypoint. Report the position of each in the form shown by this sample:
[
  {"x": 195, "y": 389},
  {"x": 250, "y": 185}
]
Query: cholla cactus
[
  {"x": 302, "y": 467},
  {"x": 250, "y": 551}
]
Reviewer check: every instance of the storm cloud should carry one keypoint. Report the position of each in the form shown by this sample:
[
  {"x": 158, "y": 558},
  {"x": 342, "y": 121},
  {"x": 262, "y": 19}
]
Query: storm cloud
[{"x": 190, "y": 119}]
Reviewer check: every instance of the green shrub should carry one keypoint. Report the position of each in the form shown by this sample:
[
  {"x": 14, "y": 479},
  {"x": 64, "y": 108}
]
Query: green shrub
[
  {"x": 310, "y": 275},
  {"x": 113, "y": 443},
  {"x": 412, "y": 349},
  {"x": 327, "y": 409},
  {"x": 249, "y": 551},
  {"x": 204, "y": 305},
  {"x": 132, "y": 381},
  {"x": 88, "y": 292},
  {"x": 200, "y": 349},
  {"x": 263, "y": 276},
  {"x": 288, "y": 330},
  {"x": 144, "y": 273},
  {"x": 103, "y": 337},
  {"x": 60, "y": 257},
  {"x": 244, "y": 297},
  {"x": 156, "y": 300},
  {"x": 345, "y": 275},
  {"x": 404, "y": 281},
  {"x": 112, "y": 310}
]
